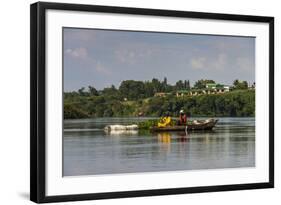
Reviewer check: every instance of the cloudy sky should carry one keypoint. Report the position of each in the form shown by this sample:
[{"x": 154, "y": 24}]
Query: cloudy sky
[{"x": 102, "y": 57}]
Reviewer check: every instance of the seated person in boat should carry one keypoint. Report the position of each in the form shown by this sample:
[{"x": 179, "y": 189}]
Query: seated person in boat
[
  {"x": 165, "y": 121},
  {"x": 182, "y": 119}
]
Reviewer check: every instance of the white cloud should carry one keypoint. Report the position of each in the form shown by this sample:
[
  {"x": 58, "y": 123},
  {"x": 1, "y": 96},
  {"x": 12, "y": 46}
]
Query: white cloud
[
  {"x": 218, "y": 62},
  {"x": 198, "y": 63},
  {"x": 130, "y": 56},
  {"x": 102, "y": 69},
  {"x": 133, "y": 53},
  {"x": 81, "y": 53}
]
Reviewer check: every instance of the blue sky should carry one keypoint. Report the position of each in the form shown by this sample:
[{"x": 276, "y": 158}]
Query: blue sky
[{"x": 101, "y": 58}]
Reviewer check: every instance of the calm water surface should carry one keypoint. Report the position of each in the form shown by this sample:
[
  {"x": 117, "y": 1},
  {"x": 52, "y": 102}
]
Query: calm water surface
[{"x": 88, "y": 150}]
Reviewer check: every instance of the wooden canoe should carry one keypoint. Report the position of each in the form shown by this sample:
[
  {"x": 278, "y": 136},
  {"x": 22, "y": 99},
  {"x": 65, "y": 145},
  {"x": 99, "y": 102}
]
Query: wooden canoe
[{"x": 194, "y": 125}]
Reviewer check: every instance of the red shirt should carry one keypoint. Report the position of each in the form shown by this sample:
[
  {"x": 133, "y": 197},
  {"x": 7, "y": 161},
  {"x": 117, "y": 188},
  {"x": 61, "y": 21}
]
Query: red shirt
[{"x": 183, "y": 119}]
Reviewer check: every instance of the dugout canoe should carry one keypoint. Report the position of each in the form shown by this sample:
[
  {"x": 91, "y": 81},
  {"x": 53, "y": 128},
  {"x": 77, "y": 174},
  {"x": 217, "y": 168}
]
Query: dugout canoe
[{"x": 207, "y": 124}]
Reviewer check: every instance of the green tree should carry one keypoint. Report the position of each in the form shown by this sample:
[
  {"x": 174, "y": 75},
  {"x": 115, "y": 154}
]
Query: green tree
[
  {"x": 187, "y": 84},
  {"x": 165, "y": 82},
  {"x": 109, "y": 101},
  {"x": 132, "y": 90},
  {"x": 200, "y": 84},
  {"x": 93, "y": 91},
  {"x": 70, "y": 111},
  {"x": 180, "y": 85},
  {"x": 81, "y": 91},
  {"x": 157, "y": 85},
  {"x": 240, "y": 84}
]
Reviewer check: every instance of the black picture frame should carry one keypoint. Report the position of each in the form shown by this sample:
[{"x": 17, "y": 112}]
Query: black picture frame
[{"x": 38, "y": 103}]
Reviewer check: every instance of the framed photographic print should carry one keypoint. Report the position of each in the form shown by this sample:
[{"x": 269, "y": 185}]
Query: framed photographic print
[{"x": 129, "y": 102}]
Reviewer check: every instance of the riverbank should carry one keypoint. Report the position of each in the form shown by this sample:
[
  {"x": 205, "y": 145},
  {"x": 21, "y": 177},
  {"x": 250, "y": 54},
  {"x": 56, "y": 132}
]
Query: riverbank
[{"x": 238, "y": 103}]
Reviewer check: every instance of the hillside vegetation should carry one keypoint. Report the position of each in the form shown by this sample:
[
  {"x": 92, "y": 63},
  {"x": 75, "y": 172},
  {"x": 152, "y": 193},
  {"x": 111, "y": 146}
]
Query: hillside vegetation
[{"x": 237, "y": 103}]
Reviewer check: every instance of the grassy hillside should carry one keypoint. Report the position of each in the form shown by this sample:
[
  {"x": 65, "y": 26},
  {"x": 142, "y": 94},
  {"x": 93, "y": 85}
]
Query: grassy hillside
[{"x": 238, "y": 103}]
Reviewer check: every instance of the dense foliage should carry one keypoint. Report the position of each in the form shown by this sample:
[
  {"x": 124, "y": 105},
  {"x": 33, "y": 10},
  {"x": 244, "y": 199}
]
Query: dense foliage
[
  {"x": 73, "y": 112},
  {"x": 202, "y": 83},
  {"x": 136, "y": 97}
]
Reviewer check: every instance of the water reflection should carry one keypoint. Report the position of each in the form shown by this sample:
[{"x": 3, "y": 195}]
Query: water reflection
[
  {"x": 164, "y": 140},
  {"x": 164, "y": 137},
  {"x": 90, "y": 150},
  {"x": 121, "y": 132}
]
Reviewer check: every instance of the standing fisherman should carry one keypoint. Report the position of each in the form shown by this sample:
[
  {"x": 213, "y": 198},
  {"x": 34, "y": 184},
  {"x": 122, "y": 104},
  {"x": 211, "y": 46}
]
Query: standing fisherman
[{"x": 183, "y": 118}]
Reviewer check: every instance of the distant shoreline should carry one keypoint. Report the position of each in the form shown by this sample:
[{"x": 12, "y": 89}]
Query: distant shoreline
[
  {"x": 147, "y": 117},
  {"x": 240, "y": 103}
]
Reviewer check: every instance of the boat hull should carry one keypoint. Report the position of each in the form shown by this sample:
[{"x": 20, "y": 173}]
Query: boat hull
[{"x": 195, "y": 125}]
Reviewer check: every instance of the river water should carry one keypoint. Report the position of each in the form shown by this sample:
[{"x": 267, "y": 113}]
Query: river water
[{"x": 89, "y": 150}]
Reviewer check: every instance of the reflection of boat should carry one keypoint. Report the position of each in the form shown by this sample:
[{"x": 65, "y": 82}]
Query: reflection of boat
[
  {"x": 122, "y": 132},
  {"x": 164, "y": 137},
  {"x": 193, "y": 125}
]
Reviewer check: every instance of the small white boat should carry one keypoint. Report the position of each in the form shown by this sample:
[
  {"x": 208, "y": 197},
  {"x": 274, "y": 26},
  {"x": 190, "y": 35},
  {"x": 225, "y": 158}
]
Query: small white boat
[{"x": 120, "y": 127}]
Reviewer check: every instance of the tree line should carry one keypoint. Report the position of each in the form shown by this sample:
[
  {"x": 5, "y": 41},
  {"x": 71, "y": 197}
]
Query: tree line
[
  {"x": 133, "y": 90},
  {"x": 134, "y": 97}
]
